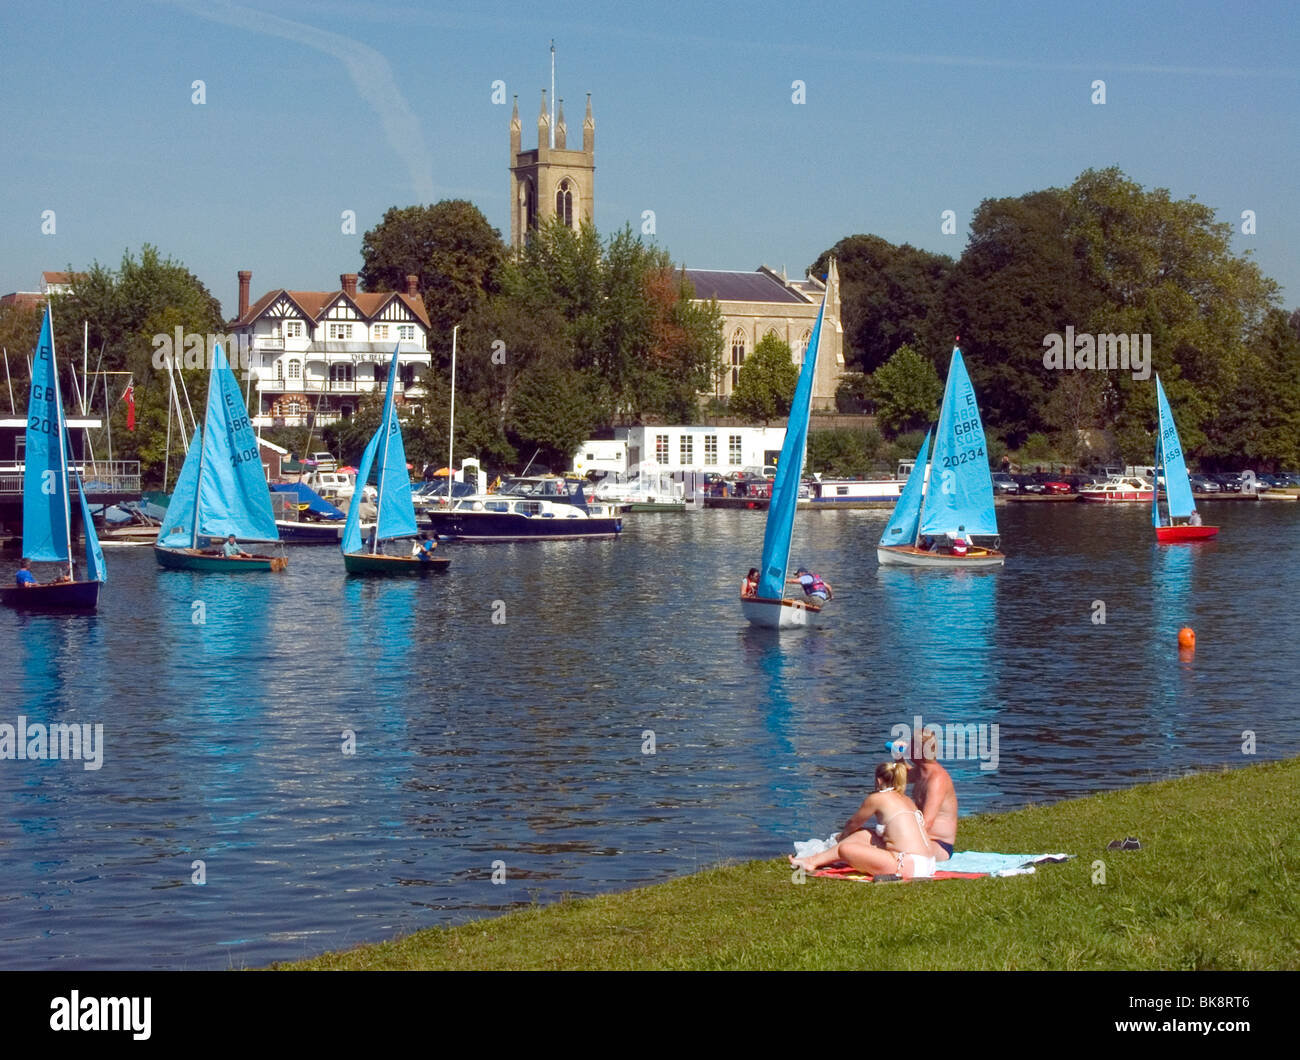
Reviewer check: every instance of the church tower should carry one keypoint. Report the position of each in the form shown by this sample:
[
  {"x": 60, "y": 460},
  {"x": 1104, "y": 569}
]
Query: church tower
[{"x": 554, "y": 180}]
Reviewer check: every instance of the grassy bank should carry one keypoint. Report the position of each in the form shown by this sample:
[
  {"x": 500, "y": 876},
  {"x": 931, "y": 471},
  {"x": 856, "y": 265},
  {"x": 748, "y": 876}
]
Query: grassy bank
[{"x": 1215, "y": 885}]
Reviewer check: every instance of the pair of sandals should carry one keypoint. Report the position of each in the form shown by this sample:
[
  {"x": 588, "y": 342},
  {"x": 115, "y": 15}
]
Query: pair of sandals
[{"x": 1124, "y": 844}]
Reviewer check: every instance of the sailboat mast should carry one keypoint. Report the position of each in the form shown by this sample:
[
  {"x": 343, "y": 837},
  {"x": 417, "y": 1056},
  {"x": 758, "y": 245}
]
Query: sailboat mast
[
  {"x": 63, "y": 456},
  {"x": 451, "y": 430},
  {"x": 925, "y": 492},
  {"x": 203, "y": 452}
]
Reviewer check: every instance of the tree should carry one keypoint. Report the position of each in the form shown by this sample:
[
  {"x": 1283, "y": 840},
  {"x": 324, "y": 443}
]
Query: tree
[
  {"x": 889, "y": 296},
  {"x": 20, "y": 326},
  {"x": 126, "y": 309},
  {"x": 449, "y": 246},
  {"x": 844, "y": 452},
  {"x": 906, "y": 390},
  {"x": 767, "y": 381},
  {"x": 552, "y": 412}
]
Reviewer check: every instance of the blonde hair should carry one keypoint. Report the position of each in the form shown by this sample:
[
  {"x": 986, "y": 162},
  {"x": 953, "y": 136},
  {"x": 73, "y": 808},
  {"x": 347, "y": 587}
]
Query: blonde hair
[{"x": 894, "y": 774}]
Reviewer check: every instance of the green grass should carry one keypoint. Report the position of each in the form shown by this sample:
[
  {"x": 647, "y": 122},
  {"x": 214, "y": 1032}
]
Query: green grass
[{"x": 1213, "y": 887}]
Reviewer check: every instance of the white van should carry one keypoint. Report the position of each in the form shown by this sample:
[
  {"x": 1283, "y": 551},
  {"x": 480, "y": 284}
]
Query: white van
[{"x": 324, "y": 461}]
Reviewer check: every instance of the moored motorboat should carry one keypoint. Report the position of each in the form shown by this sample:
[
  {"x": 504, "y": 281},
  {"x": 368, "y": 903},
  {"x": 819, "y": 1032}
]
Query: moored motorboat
[
  {"x": 535, "y": 516},
  {"x": 1118, "y": 489}
]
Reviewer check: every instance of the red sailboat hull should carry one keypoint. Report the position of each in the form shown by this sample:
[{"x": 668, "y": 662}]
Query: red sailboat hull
[{"x": 1166, "y": 535}]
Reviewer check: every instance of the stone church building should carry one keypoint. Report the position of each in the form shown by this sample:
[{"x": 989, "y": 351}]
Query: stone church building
[{"x": 556, "y": 181}]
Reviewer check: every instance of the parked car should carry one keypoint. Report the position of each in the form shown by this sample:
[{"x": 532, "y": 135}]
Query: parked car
[
  {"x": 1004, "y": 483},
  {"x": 1228, "y": 483},
  {"x": 1028, "y": 484},
  {"x": 1269, "y": 481},
  {"x": 1057, "y": 486},
  {"x": 323, "y": 461},
  {"x": 1204, "y": 484}
]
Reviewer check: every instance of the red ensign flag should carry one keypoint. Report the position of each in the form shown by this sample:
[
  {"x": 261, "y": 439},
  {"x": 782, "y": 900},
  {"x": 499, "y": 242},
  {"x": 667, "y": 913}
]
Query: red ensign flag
[{"x": 129, "y": 398}]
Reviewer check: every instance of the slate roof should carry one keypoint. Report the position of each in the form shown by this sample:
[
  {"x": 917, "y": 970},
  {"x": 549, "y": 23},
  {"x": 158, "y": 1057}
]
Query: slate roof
[{"x": 728, "y": 286}]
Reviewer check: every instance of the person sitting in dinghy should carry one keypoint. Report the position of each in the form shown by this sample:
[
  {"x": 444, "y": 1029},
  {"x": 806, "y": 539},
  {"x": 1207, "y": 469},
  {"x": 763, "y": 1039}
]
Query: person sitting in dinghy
[
  {"x": 814, "y": 588},
  {"x": 232, "y": 551},
  {"x": 749, "y": 587}
]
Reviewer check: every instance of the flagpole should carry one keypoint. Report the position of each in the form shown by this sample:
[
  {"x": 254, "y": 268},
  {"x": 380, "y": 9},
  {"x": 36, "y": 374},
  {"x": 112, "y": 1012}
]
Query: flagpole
[
  {"x": 552, "y": 139},
  {"x": 85, "y": 368},
  {"x": 451, "y": 430}
]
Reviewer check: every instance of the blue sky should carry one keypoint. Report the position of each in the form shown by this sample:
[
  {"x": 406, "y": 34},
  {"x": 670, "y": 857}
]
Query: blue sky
[{"x": 318, "y": 107}]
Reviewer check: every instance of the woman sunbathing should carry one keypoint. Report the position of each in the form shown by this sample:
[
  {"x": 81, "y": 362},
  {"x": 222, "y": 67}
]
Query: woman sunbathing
[{"x": 896, "y": 844}]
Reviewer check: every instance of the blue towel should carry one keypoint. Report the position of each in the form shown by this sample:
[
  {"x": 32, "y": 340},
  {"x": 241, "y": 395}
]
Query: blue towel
[{"x": 994, "y": 864}]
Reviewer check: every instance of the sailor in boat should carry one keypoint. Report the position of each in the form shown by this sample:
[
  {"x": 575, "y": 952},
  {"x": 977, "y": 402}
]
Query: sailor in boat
[
  {"x": 749, "y": 587},
  {"x": 958, "y": 547},
  {"x": 232, "y": 551},
  {"x": 814, "y": 588},
  {"x": 25, "y": 579},
  {"x": 423, "y": 548},
  {"x": 1194, "y": 519}
]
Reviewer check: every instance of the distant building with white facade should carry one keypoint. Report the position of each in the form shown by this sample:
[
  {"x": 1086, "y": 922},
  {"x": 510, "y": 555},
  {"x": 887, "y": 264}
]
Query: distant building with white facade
[
  {"x": 314, "y": 354},
  {"x": 694, "y": 448}
]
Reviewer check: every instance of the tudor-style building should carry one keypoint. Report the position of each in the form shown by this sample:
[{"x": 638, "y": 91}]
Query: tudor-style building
[{"x": 313, "y": 354}]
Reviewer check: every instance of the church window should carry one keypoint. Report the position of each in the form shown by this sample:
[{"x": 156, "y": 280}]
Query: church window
[
  {"x": 564, "y": 204},
  {"x": 801, "y": 346},
  {"x": 737, "y": 354}
]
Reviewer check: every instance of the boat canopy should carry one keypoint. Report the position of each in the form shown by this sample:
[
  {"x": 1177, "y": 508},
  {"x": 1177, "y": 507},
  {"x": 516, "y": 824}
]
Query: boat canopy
[{"x": 308, "y": 496}]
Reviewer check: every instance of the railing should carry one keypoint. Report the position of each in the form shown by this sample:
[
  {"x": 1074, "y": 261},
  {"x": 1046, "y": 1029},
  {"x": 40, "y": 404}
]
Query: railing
[
  {"x": 330, "y": 386},
  {"x": 100, "y": 477}
]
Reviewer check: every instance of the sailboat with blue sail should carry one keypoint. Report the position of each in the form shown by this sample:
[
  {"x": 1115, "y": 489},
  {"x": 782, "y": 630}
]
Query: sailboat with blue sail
[
  {"x": 1182, "y": 523},
  {"x": 945, "y": 516},
  {"x": 395, "y": 511},
  {"x": 770, "y": 607},
  {"x": 48, "y": 478},
  {"x": 221, "y": 491}
]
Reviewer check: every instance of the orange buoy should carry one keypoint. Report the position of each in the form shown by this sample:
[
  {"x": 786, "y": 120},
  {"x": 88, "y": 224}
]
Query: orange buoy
[{"x": 1187, "y": 637}]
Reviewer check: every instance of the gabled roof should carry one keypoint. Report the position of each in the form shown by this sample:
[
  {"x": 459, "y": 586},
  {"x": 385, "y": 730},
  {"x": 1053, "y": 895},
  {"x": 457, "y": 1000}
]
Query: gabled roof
[
  {"x": 758, "y": 286},
  {"x": 314, "y": 304}
]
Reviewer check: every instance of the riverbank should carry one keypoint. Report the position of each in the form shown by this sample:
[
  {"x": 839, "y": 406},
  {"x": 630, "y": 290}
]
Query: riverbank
[{"x": 1213, "y": 887}]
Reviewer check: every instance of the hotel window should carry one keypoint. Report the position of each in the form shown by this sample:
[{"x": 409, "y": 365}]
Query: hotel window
[
  {"x": 737, "y": 354},
  {"x": 295, "y": 370},
  {"x": 293, "y": 329},
  {"x": 279, "y": 370},
  {"x": 340, "y": 331},
  {"x": 406, "y": 332},
  {"x": 733, "y": 450},
  {"x": 661, "y": 448},
  {"x": 710, "y": 450},
  {"x": 381, "y": 331},
  {"x": 687, "y": 450}
]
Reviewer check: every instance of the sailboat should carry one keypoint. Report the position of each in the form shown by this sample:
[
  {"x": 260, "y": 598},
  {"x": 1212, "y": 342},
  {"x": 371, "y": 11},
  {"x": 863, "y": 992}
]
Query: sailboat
[
  {"x": 47, "y": 501},
  {"x": 395, "y": 516},
  {"x": 947, "y": 502},
  {"x": 1178, "y": 490},
  {"x": 770, "y": 608},
  {"x": 221, "y": 489}
]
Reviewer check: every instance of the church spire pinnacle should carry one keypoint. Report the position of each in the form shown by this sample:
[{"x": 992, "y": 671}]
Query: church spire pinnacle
[
  {"x": 589, "y": 130},
  {"x": 561, "y": 130}
]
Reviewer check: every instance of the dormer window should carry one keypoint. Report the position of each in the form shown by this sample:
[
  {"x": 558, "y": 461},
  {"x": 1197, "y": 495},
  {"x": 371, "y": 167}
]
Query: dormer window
[
  {"x": 340, "y": 332},
  {"x": 293, "y": 329}
]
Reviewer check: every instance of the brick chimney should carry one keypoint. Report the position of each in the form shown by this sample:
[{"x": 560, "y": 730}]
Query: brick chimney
[
  {"x": 348, "y": 281},
  {"x": 412, "y": 285},
  {"x": 245, "y": 279}
]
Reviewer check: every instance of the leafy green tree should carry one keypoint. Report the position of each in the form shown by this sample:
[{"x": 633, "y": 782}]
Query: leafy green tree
[
  {"x": 889, "y": 296},
  {"x": 906, "y": 391},
  {"x": 853, "y": 393},
  {"x": 20, "y": 326},
  {"x": 767, "y": 381},
  {"x": 844, "y": 451},
  {"x": 450, "y": 246},
  {"x": 125, "y": 309},
  {"x": 552, "y": 412},
  {"x": 1259, "y": 420}
]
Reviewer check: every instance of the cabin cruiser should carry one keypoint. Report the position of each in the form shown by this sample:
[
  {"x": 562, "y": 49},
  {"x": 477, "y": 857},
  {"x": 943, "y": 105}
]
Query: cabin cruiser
[
  {"x": 1117, "y": 489},
  {"x": 526, "y": 509}
]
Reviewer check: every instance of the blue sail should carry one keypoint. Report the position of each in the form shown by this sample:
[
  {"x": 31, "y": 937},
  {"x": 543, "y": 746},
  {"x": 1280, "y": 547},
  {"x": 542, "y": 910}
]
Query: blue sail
[
  {"x": 396, "y": 511},
  {"x": 177, "y": 529},
  {"x": 352, "y": 528},
  {"x": 1170, "y": 460},
  {"x": 96, "y": 571},
  {"x": 233, "y": 497},
  {"x": 789, "y": 472},
  {"x": 45, "y": 479},
  {"x": 903, "y": 524},
  {"x": 959, "y": 496}
]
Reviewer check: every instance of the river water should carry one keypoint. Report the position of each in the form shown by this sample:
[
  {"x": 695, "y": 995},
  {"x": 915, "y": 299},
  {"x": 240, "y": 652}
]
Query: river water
[{"x": 519, "y": 747}]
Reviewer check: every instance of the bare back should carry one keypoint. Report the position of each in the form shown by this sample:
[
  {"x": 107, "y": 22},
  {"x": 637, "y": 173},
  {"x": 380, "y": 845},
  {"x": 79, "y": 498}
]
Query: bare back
[{"x": 937, "y": 798}]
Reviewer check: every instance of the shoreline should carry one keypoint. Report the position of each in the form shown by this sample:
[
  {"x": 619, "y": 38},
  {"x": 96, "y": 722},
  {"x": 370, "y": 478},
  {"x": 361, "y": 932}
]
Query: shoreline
[{"x": 1208, "y": 890}]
